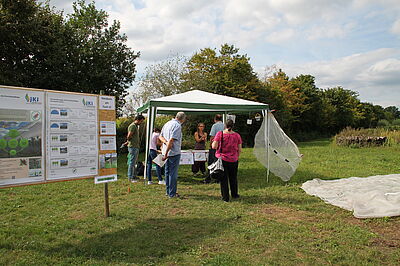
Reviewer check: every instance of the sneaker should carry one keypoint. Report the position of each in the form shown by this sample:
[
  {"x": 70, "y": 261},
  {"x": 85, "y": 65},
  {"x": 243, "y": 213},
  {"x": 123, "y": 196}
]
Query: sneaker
[
  {"x": 134, "y": 180},
  {"x": 162, "y": 182},
  {"x": 149, "y": 182}
]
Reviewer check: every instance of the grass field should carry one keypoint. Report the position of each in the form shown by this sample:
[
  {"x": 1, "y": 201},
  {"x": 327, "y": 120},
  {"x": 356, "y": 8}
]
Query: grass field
[{"x": 272, "y": 223}]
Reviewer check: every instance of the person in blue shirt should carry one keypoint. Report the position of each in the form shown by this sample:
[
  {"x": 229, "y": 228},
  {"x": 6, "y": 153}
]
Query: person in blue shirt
[{"x": 171, "y": 138}]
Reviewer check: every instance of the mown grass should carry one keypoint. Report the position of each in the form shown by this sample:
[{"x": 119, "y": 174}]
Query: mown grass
[{"x": 272, "y": 223}]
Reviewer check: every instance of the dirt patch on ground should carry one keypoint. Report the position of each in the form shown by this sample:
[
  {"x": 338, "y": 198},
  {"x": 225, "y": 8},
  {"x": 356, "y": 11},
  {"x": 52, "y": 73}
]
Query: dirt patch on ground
[
  {"x": 176, "y": 211},
  {"x": 77, "y": 215},
  {"x": 387, "y": 231},
  {"x": 285, "y": 214}
]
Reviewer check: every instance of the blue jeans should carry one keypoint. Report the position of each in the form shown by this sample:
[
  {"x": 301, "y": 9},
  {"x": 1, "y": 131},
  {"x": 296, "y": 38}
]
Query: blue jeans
[
  {"x": 133, "y": 152},
  {"x": 153, "y": 154},
  {"x": 171, "y": 174}
]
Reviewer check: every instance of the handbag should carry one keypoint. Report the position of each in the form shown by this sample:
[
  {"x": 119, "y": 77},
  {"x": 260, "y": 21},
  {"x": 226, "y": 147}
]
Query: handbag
[{"x": 217, "y": 168}]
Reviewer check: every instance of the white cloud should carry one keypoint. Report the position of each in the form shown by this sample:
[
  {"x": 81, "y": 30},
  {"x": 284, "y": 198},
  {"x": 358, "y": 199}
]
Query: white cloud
[
  {"x": 329, "y": 31},
  {"x": 279, "y": 37},
  {"x": 374, "y": 74},
  {"x": 301, "y": 11},
  {"x": 63, "y": 5},
  {"x": 396, "y": 27},
  {"x": 159, "y": 27}
]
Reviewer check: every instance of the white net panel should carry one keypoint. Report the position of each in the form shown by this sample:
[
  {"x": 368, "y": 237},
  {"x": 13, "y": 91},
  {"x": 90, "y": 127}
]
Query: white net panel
[
  {"x": 368, "y": 197},
  {"x": 275, "y": 150}
]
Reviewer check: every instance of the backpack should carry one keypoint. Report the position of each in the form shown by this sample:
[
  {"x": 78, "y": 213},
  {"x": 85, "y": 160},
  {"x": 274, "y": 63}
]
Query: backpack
[{"x": 140, "y": 168}]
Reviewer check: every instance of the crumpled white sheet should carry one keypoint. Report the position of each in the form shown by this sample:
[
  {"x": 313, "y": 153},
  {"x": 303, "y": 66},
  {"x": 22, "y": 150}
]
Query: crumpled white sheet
[{"x": 367, "y": 197}]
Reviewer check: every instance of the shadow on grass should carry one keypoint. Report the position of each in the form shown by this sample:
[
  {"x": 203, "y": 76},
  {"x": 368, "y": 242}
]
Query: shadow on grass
[
  {"x": 254, "y": 178},
  {"x": 267, "y": 198},
  {"x": 147, "y": 242}
]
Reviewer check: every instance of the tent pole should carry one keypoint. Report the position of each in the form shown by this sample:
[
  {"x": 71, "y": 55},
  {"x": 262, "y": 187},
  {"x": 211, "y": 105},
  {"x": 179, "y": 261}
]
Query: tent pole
[
  {"x": 224, "y": 117},
  {"x": 268, "y": 144},
  {"x": 148, "y": 139}
]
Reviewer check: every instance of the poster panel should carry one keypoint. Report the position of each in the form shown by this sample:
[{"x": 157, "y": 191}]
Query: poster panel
[
  {"x": 107, "y": 144},
  {"x": 106, "y": 102},
  {"x": 72, "y": 141},
  {"x": 21, "y": 136}
]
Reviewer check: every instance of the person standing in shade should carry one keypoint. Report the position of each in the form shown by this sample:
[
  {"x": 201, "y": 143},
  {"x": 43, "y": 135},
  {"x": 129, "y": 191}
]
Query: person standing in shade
[
  {"x": 153, "y": 152},
  {"x": 171, "y": 137},
  {"x": 216, "y": 127},
  {"x": 133, "y": 140},
  {"x": 201, "y": 138},
  {"x": 229, "y": 152}
]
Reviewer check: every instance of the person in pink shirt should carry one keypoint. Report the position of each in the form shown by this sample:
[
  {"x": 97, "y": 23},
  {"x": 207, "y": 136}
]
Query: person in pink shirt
[{"x": 229, "y": 151}]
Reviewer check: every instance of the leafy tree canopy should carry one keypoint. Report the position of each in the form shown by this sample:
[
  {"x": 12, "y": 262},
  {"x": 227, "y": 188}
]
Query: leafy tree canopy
[
  {"x": 81, "y": 53},
  {"x": 224, "y": 72}
]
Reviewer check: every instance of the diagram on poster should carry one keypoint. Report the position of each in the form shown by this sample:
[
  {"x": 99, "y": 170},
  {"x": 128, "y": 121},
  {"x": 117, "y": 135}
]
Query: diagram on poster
[
  {"x": 21, "y": 133},
  {"x": 72, "y": 148},
  {"x": 108, "y": 128},
  {"x": 108, "y": 143}
]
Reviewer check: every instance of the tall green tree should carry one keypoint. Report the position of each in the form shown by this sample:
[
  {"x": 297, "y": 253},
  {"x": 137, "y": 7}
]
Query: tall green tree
[
  {"x": 312, "y": 118},
  {"x": 391, "y": 113},
  {"x": 224, "y": 72},
  {"x": 81, "y": 53},
  {"x": 31, "y": 43},
  {"x": 292, "y": 97},
  {"x": 345, "y": 106}
]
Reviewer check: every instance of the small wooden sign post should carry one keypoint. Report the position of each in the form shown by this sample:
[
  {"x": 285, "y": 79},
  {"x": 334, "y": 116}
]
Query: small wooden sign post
[{"x": 108, "y": 155}]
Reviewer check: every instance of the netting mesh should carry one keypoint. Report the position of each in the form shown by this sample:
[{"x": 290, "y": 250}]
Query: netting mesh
[{"x": 283, "y": 154}]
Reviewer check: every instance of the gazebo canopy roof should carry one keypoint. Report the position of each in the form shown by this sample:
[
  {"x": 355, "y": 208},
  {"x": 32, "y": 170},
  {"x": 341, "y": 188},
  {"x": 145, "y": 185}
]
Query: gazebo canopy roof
[{"x": 201, "y": 101}]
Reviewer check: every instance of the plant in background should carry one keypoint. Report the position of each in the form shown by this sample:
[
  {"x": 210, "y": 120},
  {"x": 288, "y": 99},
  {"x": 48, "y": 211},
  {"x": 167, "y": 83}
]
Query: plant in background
[{"x": 383, "y": 123}]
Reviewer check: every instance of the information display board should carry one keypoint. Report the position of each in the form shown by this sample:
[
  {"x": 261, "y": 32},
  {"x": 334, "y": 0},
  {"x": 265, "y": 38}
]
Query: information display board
[
  {"x": 47, "y": 136},
  {"x": 72, "y": 149},
  {"x": 21, "y": 136}
]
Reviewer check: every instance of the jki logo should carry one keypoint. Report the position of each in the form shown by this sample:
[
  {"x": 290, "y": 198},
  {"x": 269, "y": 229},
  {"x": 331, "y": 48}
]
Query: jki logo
[
  {"x": 87, "y": 103},
  {"x": 31, "y": 99}
]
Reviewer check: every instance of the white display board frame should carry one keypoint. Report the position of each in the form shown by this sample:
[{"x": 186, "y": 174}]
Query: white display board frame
[{"x": 40, "y": 99}]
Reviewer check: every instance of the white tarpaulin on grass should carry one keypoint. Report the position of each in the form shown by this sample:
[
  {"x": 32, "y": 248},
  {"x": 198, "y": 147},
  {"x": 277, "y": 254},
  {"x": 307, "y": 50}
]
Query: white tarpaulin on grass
[
  {"x": 368, "y": 197},
  {"x": 275, "y": 150}
]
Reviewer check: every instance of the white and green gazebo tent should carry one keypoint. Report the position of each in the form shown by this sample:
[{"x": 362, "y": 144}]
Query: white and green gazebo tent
[{"x": 196, "y": 101}]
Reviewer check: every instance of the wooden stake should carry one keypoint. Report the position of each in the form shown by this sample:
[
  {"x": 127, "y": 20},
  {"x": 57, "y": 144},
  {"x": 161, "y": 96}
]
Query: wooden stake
[{"x": 106, "y": 204}]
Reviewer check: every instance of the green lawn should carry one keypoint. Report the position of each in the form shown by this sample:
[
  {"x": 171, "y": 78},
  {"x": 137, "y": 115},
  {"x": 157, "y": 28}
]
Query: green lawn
[{"x": 272, "y": 223}]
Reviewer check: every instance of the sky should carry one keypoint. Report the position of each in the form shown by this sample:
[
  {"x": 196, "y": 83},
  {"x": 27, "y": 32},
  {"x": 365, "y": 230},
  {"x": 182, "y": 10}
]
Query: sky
[{"x": 350, "y": 43}]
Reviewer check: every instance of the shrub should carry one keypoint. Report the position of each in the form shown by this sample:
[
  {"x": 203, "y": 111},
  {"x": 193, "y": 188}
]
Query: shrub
[
  {"x": 396, "y": 122},
  {"x": 383, "y": 123},
  {"x": 369, "y": 137}
]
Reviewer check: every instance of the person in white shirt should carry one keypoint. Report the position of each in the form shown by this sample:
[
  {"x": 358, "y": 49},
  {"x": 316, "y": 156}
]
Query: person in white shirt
[{"x": 153, "y": 152}]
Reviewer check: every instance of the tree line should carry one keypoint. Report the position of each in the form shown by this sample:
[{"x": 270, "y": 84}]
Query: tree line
[{"x": 302, "y": 109}]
